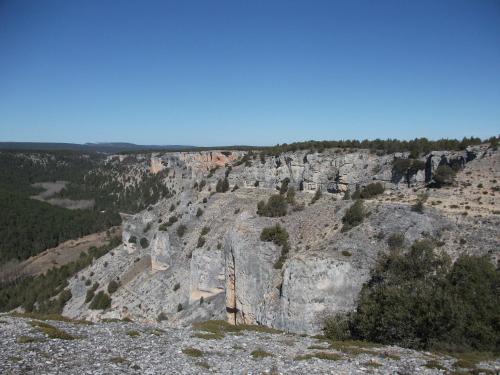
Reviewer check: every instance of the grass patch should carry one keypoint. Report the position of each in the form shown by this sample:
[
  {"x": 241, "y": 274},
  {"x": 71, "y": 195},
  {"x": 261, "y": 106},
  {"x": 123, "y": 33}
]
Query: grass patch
[
  {"x": 434, "y": 365},
  {"x": 118, "y": 360},
  {"x": 51, "y": 331},
  {"x": 133, "y": 333},
  {"x": 27, "y": 339},
  {"x": 221, "y": 327},
  {"x": 193, "y": 352},
  {"x": 44, "y": 317},
  {"x": 260, "y": 353},
  {"x": 319, "y": 355},
  {"x": 209, "y": 336}
]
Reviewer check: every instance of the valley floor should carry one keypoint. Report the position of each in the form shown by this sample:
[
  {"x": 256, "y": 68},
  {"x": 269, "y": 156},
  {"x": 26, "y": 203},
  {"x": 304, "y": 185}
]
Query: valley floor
[{"x": 30, "y": 346}]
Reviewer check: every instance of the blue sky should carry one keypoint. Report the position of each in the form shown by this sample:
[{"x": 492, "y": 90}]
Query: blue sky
[{"x": 248, "y": 72}]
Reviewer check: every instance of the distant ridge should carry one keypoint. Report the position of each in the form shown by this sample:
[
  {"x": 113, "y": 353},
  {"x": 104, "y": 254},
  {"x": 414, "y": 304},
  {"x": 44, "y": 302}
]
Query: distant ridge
[{"x": 89, "y": 147}]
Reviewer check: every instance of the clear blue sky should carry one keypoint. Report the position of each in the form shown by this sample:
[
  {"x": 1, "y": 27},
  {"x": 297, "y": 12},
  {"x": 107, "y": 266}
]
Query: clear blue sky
[{"x": 247, "y": 72}]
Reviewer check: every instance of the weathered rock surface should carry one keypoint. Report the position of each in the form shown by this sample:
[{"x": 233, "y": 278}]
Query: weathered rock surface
[
  {"x": 219, "y": 268},
  {"x": 126, "y": 347}
]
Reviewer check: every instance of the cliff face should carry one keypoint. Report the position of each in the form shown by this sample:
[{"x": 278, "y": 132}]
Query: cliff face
[{"x": 220, "y": 268}]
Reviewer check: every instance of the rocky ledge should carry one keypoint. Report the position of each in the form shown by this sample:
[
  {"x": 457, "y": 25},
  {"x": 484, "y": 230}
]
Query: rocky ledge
[{"x": 33, "y": 346}]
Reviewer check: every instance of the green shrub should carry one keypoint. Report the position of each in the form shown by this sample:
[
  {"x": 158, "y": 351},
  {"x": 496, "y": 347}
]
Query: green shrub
[
  {"x": 199, "y": 212},
  {"x": 144, "y": 242},
  {"x": 276, "y": 206},
  {"x": 316, "y": 197},
  {"x": 444, "y": 175},
  {"x": 101, "y": 301},
  {"x": 132, "y": 239},
  {"x": 279, "y": 236},
  {"x": 112, "y": 286},
  {"x": 222, "y": 185},
  {"x": 418, "y": 300},
  {"x": 353, "y": 216},
  {"x": 177, "y": 286},
  {"x": 201, "y": 241},
  {"x": 284, "y": 185},
  {"x": 337, "y": 327},
  {"x": 290, "y": 195},
  {"x": 180, "y": 307},
  {"x": 396, "y": 241},
  {"x": 181, "y": 230},
  {"x": 369, "y": 191},
  {"x": 205, "y": 230},
  {"x": 347, "y": 195}
]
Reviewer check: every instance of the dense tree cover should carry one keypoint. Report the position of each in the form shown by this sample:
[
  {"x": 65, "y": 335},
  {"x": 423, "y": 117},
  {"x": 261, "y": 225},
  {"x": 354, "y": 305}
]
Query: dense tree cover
[
  {"x": 28, "y": 226},
  {"x": 39, "y": 293},
  {"x": 418, "y": 299},
  {"x": 20, "y": 170},
  {"x": 111, "y": 189},
  {"x": 416, "y": 146}
]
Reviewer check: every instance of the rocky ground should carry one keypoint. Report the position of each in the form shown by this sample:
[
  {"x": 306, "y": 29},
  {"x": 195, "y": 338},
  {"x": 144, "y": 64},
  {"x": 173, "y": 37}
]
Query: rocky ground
[{"x": 31, "y": 346}]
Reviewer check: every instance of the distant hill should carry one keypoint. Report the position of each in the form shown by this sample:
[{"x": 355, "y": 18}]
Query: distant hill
[{"x": 92, "y": 147}]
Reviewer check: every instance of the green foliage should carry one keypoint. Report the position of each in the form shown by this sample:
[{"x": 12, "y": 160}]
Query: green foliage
[
  {"x": 199, "y": 212},
  {"x": 337, "y": 327},
  {"x": 396, "y": 241},
  {"x": 444, "y": 175},
  {"x": 201, "y": 241},
  {"x": 181, "y": 230},
  {"x": 101, "y": 301},
  {"x": 40, "y": 293},
  {"x": 205, "y": 230},
  {"x": 406, "y": 168},
  {"x": 290, "y": 195},
  {"x": 353, "y": 216},
  {"x": 171, "y": 220},
  {"x": 112, "y": 286},
  {"x": 222, "y": 185},
  {"x": 276, "y": 206},
  {"x": 369, "y": 191},
  {"x": 180, "y": 307},
  {"x": 144, "y": 242},
  {"x": 132, "y": 239},
  {"x": 416, "y": 146},
  {"x": 347, "y": 195},
  {"x": 317, "y": 196},
  {"x": 279, "y": 236},
  {"x": 418, "y": 300},
  {"x": 28, "y": 226},
  {"x": 284, "y": 185}
]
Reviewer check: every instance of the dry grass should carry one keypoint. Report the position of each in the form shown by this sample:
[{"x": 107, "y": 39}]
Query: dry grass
[
  {"x": 260, "y": 353},
  {"x": 51, "y": 331},
  {"x": 45, "y": 317},
  {"x": 319, "y": 355},
  {"x": 193, "y": 352},
  {"x": 221, "y": 327}
]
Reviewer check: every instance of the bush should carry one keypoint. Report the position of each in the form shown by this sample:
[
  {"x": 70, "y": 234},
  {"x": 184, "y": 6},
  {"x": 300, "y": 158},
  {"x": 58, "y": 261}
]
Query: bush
[
  {"x": 276, "y": 206},
  {"x": 284, "y": 185},
  {"x": 199, "y": 212},
  {"x": 417, "y": 300},
  {"x": 316, "y": 196},
  {"x": 290, "y": 195},
  {"x": 101, "y": 301},
  {"x": 205, "y": 231},
  {"x": 347, "y": 195},
  {"x": 144, "y": 242},
  {"x": 132, "y": 239},
  {"x": 222, "y": 185},
  {"x": 444, "y": 175},
  {"x": 181, "y": 230},
  {"x": 353, "y": 216},
  {"x": 396, "y": 241},
  {"x": 112, "y": 286},
  {"x": 179, "y": 307},
  {"x": 337, "y": 327},
  {"x": 369, "y": 191},
  {"x": 279, "y": 236},
  {"x": 201, "y": 242}
]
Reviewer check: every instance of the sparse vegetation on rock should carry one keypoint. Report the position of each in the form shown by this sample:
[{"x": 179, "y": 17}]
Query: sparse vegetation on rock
[{"x": 276, "y": 206}]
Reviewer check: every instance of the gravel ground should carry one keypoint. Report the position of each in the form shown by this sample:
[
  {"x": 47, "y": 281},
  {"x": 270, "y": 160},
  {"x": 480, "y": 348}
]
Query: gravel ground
[{"x": 126, "y": 347}]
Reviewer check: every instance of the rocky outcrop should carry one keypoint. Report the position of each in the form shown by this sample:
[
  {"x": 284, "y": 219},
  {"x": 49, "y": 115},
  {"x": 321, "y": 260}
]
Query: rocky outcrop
[{"x": 220, "y": 268}]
